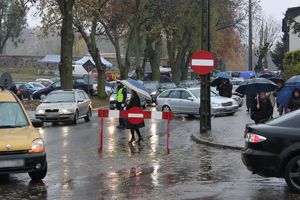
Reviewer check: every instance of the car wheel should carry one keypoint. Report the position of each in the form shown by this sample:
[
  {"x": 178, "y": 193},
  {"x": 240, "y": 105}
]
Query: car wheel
[
  {"x": 292, "y": 174},
  {"x": 88, "y": 116},
  {"x": 76, "y": 116},
  {"x": 38, "y": 175},
  {"x": 166, "y": 109}
]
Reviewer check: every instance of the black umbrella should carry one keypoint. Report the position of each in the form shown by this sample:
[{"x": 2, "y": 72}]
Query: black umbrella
[
  {"x": 255, "y": 86},
  {"x": 276, "y": 80}
]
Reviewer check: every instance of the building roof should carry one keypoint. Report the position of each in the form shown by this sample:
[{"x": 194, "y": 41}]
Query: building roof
[
  {"x": 84, "y": 59},
  {"x": 52, "y": 58},
  {"x": 293, "y": 12}
]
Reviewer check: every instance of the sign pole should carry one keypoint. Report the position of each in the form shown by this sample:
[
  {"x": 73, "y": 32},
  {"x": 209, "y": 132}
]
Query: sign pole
[
  {"x": 205, "y": 113},
  {"x": 101, "y": 135},
  {"x": 168, "y": 136}
]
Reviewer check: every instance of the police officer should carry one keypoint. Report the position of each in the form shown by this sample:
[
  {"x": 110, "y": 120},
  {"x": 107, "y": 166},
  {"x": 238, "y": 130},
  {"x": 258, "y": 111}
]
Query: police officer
[{"x": 121, "y": 100}]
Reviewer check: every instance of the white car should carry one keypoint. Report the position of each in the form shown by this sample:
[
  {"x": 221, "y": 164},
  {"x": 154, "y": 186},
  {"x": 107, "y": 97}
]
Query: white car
[{"x": 187, "y": 101}]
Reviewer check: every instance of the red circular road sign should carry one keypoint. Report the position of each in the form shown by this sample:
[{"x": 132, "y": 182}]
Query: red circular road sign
[
  {"x": 135, "y": 115},
  {"x": 202, "y": 62}
]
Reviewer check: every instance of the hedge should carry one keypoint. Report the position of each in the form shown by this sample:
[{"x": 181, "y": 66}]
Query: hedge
[{"x": 291, "y": 64}]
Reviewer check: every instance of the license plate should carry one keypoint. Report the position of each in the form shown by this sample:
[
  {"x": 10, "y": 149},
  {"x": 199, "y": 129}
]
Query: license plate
[{"x": 11, "y": 163}]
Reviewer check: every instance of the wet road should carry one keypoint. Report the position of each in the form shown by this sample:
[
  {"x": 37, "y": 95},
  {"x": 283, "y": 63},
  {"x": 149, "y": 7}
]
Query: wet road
[{"x": 122, "y": 171}]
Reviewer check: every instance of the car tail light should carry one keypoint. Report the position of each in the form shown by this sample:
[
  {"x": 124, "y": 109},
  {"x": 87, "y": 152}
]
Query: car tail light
[{"x": 254, "y": 138}]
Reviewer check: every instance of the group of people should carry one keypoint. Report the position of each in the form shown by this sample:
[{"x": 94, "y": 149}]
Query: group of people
[
  {"x": 122, "y": 104},
  {"x": 261, "y": 107}
]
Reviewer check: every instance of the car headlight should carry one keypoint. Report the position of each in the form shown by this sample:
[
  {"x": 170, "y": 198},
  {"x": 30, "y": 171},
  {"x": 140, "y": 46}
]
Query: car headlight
[
  {"x": 37, "y": 146},
  {"x": 40, "y": 112},
  {"x": 235, "y": 103},
  {"x": 215, "y": 104},
  {"x": 111, "y": 98},
  {"x": 65, "y": 111}
]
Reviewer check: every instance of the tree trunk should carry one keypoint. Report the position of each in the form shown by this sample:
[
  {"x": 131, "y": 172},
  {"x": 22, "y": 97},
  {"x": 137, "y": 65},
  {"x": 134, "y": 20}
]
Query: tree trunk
[
  {"x": 171, "y": 59},
  {"x": 67, "y": 39},
  {"x": 154, "y": 58}
]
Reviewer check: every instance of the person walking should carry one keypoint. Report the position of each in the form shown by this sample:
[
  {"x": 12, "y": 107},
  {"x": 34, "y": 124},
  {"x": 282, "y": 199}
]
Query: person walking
[
  {"x": 261, "y": 109},
  {"x": 121, "y": 100},
  {"x": 294, "y": 102},
  {"x": 225, "y": 88},
  {"x": 134, "y": 102}
]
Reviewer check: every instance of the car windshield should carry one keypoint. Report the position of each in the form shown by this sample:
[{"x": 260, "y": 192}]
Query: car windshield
[
  {"x": 14, "y": 115},
  {"x": 196, "y": 92},
  {"x": 60, "y": 97},
  {"x": 151, "y": 86}
]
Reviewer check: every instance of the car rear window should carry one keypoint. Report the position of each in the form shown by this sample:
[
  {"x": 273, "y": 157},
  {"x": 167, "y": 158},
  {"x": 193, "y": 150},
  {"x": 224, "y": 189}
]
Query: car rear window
[
  {"x": 60, "y": 97},
  {"x": 291, "y": 119},
  {"x": 14, "y": 115}
]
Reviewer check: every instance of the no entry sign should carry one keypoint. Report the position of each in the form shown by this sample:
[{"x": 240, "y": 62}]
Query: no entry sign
[{"x": 202, "y": 62}]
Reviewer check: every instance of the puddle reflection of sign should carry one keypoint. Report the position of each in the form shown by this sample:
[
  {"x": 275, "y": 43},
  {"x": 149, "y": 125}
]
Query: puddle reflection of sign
[{"x": 88, "y": 66}]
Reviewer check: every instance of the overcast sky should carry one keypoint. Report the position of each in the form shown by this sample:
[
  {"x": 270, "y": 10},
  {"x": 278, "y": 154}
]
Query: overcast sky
[{"x": 277, "y": 8}]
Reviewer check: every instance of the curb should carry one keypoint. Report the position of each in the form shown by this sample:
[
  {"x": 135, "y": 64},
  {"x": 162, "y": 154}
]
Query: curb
[{"x": 212, "y": 144}]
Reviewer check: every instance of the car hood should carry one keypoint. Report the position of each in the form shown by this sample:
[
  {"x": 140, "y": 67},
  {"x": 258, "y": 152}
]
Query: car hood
[
  {"x": 219, "y": 99},
  {"x": 17, "y": 138},
  {"x": 44, "y": 106}
]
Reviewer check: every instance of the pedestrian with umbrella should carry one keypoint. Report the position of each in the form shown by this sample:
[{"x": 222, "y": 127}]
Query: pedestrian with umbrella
[
  {"x": 261, "y": 107},
  {"x": 294, "y": 102},
  {"x": 223, "y": 84},
  {"x": 137, "y": 88}
]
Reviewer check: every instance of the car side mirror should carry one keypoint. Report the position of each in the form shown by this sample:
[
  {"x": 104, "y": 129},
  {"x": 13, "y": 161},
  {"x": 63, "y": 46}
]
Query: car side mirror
[
  {"x": 190, "y": 98},
  {"x": 37, "y": 123}
]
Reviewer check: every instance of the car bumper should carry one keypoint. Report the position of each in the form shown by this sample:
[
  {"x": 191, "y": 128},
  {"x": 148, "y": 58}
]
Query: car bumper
[
  {"x": 224, "y": 110},
  {"x": 55, "y": 117},
  {"x": 30, "y": 162},
  {"x": 261, "y": 163}
]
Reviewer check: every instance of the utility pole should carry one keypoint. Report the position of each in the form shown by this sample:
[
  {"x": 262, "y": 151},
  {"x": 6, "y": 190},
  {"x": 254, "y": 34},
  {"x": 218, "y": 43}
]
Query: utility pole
[
  {"x": 250, "y": 37},
  {"x": 205, "y": 113}
]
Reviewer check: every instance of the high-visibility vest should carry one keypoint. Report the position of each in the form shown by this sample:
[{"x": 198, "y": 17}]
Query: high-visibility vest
[{"x": 120, "y": 96}]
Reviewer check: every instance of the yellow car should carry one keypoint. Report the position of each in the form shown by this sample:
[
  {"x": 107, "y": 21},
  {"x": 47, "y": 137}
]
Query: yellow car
[{"x": 22, "y": 148}]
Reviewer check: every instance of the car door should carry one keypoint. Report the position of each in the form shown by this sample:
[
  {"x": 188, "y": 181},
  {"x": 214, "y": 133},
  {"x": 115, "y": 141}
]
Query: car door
[
  {"x": 80, "y": 103},
  {"x": 85, "y": 103},
  {"x": 187, "y": 104},
  {"x": 174, "y": 100}
]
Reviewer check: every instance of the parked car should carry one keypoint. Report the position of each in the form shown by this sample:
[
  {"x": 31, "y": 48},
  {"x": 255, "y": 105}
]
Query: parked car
[
  {"x": 187, "y": 101},
  {"x": 37, "y": 85},
  {"x": 23, "y": 90},
  {"x": 65, "y": 106},
  {"x": 22, "y": 148},
  {"x": 237, "y": 98},
  {"x": 189, "y": 83},
  {"x": 236, "y": 82},
  {"x": 273, "y": 149},
  {"x": 167, "y": 86},
  {"x": 43, "y": 81},
  {"x": 153, "y": 87},
  {"x": 78, "y": 83},
  {"x": 109, "y": 88},
  {"x": 113, "y": 100}
]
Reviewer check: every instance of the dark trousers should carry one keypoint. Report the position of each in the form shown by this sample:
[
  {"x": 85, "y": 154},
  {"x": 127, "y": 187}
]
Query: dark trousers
[{"x": 120, "y": 107}]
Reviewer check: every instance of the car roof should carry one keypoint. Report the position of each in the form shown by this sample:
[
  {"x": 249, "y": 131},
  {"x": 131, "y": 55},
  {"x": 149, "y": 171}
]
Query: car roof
[{"x": 6, "y": 96}]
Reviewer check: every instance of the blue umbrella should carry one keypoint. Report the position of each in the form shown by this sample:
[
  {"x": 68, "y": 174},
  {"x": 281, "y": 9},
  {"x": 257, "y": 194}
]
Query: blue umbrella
[
  {"x": 223, "y": 75},
  {"x": 283, "y": 96},
  {"x": 255, "y": 86},
  {"x": 293, "y": 82},
  {"x": 137, "y": 86},
  {"x": 247, "y": 74}
]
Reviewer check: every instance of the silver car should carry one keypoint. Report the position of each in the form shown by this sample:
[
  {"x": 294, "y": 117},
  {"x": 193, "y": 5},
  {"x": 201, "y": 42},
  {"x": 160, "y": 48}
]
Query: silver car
[
  {"x": 238, "y": 99},
  {"x": 65, "y": 106},
  {"x": 187, "y": 101}
]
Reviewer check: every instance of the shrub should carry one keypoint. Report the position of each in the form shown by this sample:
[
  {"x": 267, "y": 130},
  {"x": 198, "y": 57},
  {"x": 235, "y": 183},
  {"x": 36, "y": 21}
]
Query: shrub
[{"x": 291, "y": 64}]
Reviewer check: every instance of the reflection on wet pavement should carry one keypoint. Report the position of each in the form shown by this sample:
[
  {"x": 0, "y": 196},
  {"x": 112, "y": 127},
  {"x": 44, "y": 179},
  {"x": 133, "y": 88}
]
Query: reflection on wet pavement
[{"x": 131, "y": 171}]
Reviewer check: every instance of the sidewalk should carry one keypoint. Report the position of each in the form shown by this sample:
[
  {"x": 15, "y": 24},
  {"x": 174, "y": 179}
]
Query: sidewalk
[{"x": 227, "y": 131}]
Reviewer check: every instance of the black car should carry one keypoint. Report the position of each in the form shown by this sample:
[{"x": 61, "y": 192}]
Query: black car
[
  {"x": 273, "y": 149},
  {"x": 78, "y": 83}
]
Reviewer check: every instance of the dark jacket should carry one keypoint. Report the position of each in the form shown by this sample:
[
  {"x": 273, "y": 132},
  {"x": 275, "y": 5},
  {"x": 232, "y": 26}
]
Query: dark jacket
[
  {"x": 134, "y": 102},
  {"x": 225, "y": 90},
  {"x": 264, "y": 112},
  {"x": 294, "y": 102}
]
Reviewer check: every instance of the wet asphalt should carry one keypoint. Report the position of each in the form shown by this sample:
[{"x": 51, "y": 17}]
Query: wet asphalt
[{"x": 77, "y": 171}]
